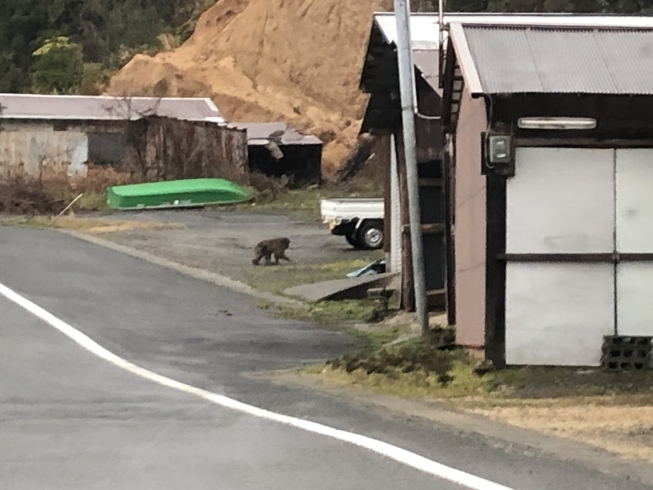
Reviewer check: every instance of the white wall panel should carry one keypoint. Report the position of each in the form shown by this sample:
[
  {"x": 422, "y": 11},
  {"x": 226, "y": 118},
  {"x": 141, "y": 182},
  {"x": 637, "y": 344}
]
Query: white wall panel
[
  {"x": 634, "y": 201},
  {"x": 561, "y": 200},
  {"x": 635, "y": 290},
  {"x": 558, "y": 313}
]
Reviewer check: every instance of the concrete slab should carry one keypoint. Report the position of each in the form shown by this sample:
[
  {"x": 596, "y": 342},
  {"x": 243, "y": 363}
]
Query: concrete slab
[{"x": 339, "y": 289}]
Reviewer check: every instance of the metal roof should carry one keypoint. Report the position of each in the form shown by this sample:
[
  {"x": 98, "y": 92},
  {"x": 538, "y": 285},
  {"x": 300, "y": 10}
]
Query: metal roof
[
  {"x": 262, "y": 133},
  {"x": 498, "y": 60},
  {"x": 104, "y": 108},
  {"x": 428, "y": 62},
  {"x": 425, "y": 31}
]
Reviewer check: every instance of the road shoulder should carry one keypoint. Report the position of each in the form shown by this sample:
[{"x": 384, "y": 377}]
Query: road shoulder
[{"x": 502, "y": 436}]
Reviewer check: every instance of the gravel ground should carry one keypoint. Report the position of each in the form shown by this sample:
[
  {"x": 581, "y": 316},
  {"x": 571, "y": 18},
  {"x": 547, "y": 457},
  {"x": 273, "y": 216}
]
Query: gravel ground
[{"x": 223, "y": 242}]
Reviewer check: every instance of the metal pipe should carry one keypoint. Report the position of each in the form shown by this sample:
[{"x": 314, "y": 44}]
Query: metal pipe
[
  {"x": 407, "y": 89},
  {"x": 441, "y": 22},
  {"x": 441, "y": 43}
]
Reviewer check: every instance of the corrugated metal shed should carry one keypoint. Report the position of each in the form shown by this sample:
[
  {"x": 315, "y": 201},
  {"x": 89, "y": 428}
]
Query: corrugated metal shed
[
  {"x": 278, "y": 132},
  {"x": 103, "y": 108},
  {"x": 553, "y": 60}
]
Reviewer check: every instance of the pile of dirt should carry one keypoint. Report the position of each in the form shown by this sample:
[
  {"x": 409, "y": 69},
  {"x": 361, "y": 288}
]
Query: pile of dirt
[{"x": 297, "y": 61}]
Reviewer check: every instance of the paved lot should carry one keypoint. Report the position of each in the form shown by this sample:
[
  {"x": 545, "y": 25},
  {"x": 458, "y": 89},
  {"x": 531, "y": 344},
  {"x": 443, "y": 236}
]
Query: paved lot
[
  {"x": 223, "y": 242},
  {"x": 75, "y": 422}
]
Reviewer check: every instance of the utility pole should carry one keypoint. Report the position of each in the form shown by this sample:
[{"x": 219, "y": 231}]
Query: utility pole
[{"x": 408, "y": 111}]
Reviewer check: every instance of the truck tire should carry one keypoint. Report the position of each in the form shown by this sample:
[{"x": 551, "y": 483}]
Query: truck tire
[
  {"x": 352, "y": 239},
  {"x": 370, "y": 235}
]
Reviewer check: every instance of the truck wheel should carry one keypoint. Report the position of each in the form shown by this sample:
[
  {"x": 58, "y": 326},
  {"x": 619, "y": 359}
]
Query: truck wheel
[
  {"x": 353, "y": 240},
  {"x": 370, "y": 235}
]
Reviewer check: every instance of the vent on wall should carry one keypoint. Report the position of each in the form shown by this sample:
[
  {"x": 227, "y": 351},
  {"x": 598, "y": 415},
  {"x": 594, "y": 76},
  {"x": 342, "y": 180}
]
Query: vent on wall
[{"x": 626, "y": 353}]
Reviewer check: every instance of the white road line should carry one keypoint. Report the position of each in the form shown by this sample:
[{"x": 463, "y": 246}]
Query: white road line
[{"x": 384, "y": 449}]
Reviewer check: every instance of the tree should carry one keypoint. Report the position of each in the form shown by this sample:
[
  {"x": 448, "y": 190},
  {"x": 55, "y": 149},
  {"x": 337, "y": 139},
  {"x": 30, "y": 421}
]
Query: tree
[{"x": 58, "y": 66}]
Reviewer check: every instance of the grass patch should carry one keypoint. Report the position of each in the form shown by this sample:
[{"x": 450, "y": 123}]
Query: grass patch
[
  {"x": 277, "y": 279},
  {"x": 88, "y": 225},
  {"x": 617, "y": 423},
  {"x": 92, "y": 201},
  {"x": 300, "y": 203},
  {"x": 328, "y": 313},
  {"x": 437, "y": 370},
  {"x": 414, "y": 369},
  {"x": 376, "y": 338},
  {"x": 305, "y": 203}
]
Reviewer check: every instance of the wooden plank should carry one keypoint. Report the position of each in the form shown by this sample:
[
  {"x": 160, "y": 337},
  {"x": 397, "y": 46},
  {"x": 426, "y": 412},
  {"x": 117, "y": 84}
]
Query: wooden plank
[
  {"x": 428, "y": 229},
  {"x": 433, "y": 228},
  {"x": 431, "y": 182},
  {"x": 436, "y": 299}
]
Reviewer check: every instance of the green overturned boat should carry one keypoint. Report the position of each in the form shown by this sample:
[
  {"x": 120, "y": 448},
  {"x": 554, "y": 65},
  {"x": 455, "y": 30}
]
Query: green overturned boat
[{"x": 185, "y": 193}]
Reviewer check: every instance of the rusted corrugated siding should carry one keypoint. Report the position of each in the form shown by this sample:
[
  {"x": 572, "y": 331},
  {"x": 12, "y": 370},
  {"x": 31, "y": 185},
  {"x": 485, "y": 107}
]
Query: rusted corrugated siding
[
  {"x": 168, "y": 149},
  {"x": 35, "y": 150},
  {"x": 470, "y": 224}
]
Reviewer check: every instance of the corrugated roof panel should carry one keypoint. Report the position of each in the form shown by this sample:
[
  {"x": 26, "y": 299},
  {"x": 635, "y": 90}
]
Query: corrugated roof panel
[
  {"x": 637, "y": 64},
  {"x": 71, "y": 107},
  {"x": 261, "y": 130},
  {"x": 260, "y": 133},
  {"x": 545, "y": 60},
  {"x": 427, "y": 62},
  {"x": 424, "y": 26},
  {"x": 505, "y": 47}
]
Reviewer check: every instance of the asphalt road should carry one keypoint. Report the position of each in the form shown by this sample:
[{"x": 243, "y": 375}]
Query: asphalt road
[{"x": 70, "y": 420}]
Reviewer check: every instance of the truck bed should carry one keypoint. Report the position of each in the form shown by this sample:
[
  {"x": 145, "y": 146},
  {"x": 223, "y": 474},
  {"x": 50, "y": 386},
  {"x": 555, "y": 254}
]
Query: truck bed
[{"x": 339, "y": 210}]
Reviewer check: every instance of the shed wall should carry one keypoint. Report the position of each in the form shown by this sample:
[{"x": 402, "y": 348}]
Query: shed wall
[
  {"x": 31, "y": 147},
  {"x": 470, "y": 224},
  {"x": 31, "y": 152},
  {"x": 168, "y": 149}
]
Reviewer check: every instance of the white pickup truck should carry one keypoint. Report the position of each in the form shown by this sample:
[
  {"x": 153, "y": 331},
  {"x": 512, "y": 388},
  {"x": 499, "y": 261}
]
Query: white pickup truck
[{"x": 359, "y": 220}]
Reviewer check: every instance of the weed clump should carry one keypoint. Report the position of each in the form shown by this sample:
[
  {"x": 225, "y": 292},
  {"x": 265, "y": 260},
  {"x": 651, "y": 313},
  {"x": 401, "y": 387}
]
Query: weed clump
[
  {"x": 52, "y": 191},
  {"x": 431, "y": 358}
]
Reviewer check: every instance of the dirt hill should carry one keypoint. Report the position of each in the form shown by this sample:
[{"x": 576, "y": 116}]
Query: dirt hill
[{"x": 297, "y": 61}]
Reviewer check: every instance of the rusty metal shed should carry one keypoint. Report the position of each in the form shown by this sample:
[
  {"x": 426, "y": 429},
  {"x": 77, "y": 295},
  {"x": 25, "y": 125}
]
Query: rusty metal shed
[{"x": 65, "y": 133}]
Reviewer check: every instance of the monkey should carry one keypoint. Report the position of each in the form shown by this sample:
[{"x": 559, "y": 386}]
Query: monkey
[{"x": 269, "y": 247}]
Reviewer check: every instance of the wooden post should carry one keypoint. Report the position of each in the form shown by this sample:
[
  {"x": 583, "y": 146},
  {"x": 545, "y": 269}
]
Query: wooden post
[{"x": 407, "y": 285}]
